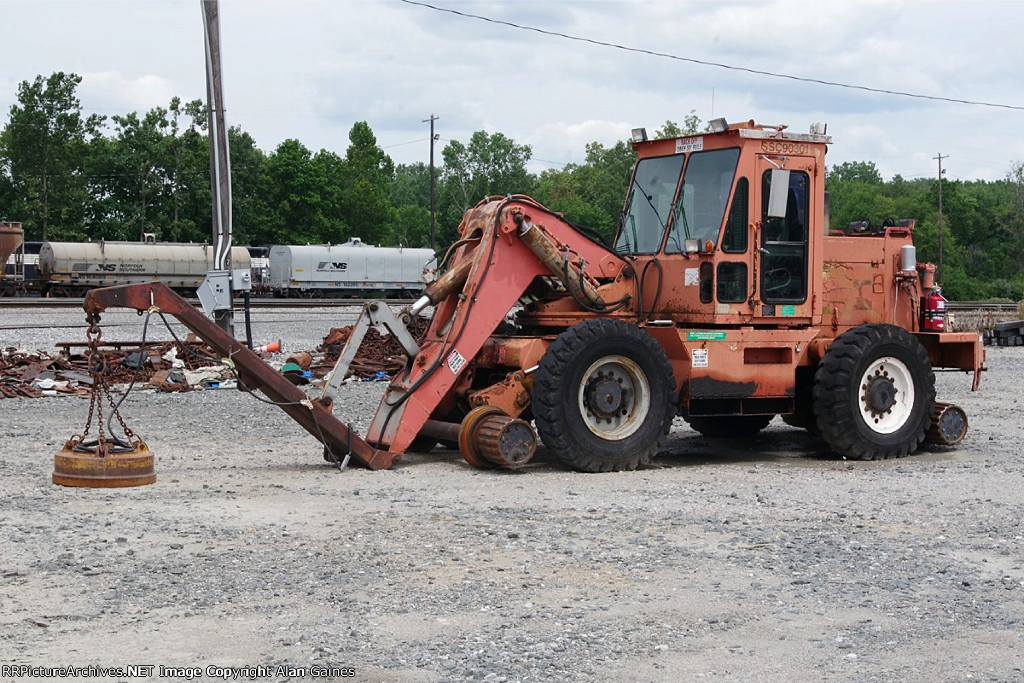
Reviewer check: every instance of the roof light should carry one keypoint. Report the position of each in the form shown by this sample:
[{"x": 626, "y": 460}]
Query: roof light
[
  {"x": 639, "y": 135},
  {"x": 719, "y": 125},
  {"x": 819, "y": 128}
]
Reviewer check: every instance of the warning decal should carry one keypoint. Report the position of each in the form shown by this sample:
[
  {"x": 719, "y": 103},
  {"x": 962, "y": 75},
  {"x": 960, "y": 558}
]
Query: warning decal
[
  {"x": 700, "y": 358},
  {"x": 456, "y": 362}
]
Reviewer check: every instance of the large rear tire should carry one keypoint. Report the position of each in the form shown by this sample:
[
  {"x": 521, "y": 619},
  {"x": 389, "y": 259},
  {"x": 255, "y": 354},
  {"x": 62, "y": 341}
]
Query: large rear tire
[
  {"x": 603, "y": 396},
  {"x": 874, "y": 393}
]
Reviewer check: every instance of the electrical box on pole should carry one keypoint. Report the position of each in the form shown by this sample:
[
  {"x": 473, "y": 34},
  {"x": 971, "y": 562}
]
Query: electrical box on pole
[{"x": 220, "y": 167}]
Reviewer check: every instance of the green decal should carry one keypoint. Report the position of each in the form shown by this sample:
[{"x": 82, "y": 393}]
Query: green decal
[
  {"x": 789, "y": 310},
  {"x": 705, "y": 335}
]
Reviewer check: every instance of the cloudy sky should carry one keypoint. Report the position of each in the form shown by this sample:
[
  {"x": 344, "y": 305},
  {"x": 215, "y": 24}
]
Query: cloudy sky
[{"x": 310, "y": 69}]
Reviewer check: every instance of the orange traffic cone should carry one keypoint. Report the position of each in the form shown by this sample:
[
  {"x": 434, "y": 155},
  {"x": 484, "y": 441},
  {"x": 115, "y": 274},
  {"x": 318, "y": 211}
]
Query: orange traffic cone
[{"x": 272, "y": 347}]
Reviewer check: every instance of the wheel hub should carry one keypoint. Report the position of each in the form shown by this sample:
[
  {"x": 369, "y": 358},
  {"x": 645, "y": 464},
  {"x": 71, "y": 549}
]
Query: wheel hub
[
  {"x": 886, "y": 395},
  {"x": 606, "y": 396},
  {"x": 614, "y": 397},
  {"x": 880, "y": 393}
]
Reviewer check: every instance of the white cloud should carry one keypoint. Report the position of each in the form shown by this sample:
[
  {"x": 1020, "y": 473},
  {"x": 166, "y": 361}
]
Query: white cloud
[
  {"x": 310, "y": 69},
  {"x": 113, "y": 92}
]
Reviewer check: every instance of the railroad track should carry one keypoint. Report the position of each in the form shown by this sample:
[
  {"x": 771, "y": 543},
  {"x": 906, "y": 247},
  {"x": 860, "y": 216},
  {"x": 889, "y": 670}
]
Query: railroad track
[
  {"x": 74, "y": 302},
  {"x": 979, "y": 306}
]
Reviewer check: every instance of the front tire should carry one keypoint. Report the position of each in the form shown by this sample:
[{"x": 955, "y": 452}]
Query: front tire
[
  {"x": 874, "y": 393},
  {"x": 603, "y": 396}
]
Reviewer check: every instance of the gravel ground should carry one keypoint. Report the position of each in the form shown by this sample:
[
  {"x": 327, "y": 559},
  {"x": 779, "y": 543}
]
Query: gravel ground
[{"x": 764, "y": 559}]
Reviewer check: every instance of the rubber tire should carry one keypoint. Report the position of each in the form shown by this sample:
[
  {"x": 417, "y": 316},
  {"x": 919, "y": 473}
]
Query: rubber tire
[
  {"x": 556, "y": 407},
  {"x": 723, "y": 426},
  {"x": 837, "y": 393}
]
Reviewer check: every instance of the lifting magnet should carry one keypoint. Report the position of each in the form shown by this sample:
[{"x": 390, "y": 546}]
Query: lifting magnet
[{"x": 103, "y": 463}]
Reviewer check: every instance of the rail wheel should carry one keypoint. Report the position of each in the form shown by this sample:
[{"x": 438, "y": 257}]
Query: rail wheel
[
  {"x": 874, "y": 393},
  {"x": 603, "y": 396},
  {"x": 738, "y": 426}
]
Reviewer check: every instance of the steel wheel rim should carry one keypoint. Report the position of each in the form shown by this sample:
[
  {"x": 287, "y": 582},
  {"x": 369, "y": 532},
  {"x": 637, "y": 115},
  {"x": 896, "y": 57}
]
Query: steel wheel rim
[
  {"x": 609, "y": 412},
  {"x": 883, "y": 375}
]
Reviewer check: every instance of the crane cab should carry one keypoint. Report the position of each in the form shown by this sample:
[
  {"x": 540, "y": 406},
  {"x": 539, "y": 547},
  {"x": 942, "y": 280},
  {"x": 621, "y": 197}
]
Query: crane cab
[{"x": 722, "y": 226}]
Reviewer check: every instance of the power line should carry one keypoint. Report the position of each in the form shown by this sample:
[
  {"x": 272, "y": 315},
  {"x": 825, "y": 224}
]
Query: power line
[
  {"x": 702, "y": 62},
  {"x": 402, "y": 144}
]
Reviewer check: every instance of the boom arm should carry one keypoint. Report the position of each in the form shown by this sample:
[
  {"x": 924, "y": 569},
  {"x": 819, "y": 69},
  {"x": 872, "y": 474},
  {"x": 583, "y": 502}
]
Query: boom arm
[
  {"x": 504, "y": 251},
  {"x": 313, "y": 414}
]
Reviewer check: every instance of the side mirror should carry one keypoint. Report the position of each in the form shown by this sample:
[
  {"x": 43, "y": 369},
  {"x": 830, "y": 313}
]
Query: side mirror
[{"x": 778, "y": 195}]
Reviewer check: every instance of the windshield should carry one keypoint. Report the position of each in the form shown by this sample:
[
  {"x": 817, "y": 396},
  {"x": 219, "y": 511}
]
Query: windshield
[
  {"x": 649, "y": 204},
  {"x": 703, "y": 197}
]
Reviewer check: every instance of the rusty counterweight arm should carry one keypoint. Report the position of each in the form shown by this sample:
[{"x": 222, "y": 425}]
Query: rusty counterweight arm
[{"x": 314, "y": 415}]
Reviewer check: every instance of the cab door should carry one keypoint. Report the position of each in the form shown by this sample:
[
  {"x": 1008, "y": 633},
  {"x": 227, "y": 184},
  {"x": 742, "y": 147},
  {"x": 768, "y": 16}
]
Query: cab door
[{"x": 784, "y": 249}]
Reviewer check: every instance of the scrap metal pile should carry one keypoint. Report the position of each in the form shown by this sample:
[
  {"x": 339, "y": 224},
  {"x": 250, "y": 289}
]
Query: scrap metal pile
[
  {"x": 378, "y": 355},
  {"x": 173, "y": 367},
  {"x": 167, "y": 366},
  {"x": 25, "y": 374}
]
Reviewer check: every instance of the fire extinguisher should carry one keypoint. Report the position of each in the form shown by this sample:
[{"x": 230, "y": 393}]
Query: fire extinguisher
[{"x": 933, "y": 312}]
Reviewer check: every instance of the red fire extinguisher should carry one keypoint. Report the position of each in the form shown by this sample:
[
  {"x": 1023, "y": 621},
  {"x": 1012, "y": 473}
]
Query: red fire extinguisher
[{"x": 933, "y": 312}]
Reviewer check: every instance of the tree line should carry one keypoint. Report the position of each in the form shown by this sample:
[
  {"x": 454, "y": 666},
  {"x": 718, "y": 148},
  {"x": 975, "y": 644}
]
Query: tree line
[{"x": 69, "y": 176}]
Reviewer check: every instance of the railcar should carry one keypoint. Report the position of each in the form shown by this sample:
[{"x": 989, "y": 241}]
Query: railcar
[
  {"x": 73, "y": 268},
  {"x": 352, "y": 269}
]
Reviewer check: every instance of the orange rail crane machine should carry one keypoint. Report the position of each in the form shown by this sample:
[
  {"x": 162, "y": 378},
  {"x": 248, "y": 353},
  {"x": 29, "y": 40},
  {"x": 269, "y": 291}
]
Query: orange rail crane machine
[{"x": 725, "y": 298}]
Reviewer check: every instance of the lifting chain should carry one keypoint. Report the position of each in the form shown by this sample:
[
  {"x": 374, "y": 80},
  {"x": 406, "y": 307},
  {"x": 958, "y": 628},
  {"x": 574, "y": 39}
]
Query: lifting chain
[{"x": 98, "y": 370}]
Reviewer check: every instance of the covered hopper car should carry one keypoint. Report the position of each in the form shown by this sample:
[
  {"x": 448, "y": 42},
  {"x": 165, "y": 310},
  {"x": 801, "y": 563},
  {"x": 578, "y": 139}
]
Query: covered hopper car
[
  {"x": 73, "y": 268},
  {"x": 350, "y": 269},
  {"x": 12, "y": 243}
]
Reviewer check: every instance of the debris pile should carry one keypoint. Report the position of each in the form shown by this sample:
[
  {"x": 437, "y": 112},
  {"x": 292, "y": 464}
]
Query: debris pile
[
  {"x": 175, "y": 367},
  {"x": 29, "y": 375},
  {"x": 378, "y": 354},
  {"x": 168, "y": 366}
]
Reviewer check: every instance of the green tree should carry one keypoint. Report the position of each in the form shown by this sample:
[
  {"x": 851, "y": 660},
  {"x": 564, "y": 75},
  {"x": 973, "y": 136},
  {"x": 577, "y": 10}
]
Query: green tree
[
  {"x": 410, "y": 226},
  {"x": 43, "y": 147},
  {"x": 411, "y": 185},
  {"x": 671, "y": 129},
  {"x": 855, "y": 171},
  {"x": 186, "y": 155},
  {"x": 366, "y": 197},
  {"x": 1013, "y": 219},
  {"x": 7, "y": 194},
  {"x": 152, "y": 176},
  {"x": 410, "y": 197},
  {"x": 253, "y": 220},
  {"x": 488, "y": 165},
  {"x": 592, "y": 193},
  {"x": 139, "y": 171},
  {"x": 295, "y": 195},
  {"x": 856, "y": 193}
]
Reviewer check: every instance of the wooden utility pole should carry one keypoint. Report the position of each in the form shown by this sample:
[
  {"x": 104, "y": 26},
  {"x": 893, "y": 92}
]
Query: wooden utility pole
[
  {"x": 220, "y": 163},
  {"x": 938, "y": 273},
  {"x": 433, "y": 139}
]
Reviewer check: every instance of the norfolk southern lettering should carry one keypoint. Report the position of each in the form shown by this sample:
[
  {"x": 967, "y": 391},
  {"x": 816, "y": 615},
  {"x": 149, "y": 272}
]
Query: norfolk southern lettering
[{"x": 332, "y": 266}]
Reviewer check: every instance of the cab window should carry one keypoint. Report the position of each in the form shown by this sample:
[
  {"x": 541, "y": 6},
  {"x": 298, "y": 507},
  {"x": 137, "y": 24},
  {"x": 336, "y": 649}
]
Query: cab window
[
  {"x": 649, "y": 204},
  {"x": 703, "y": 197},
  {"x": 734, "y": 237},
  {"x": 784, "y": 243}
]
